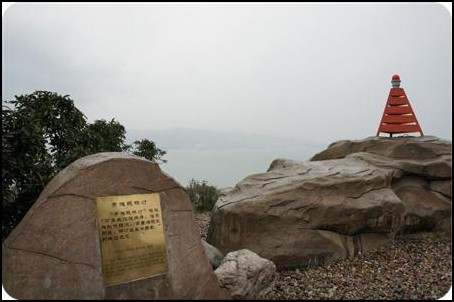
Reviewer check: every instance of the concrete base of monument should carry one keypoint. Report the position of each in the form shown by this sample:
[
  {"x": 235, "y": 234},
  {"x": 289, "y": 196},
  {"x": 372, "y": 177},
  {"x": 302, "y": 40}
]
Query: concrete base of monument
[{"x": 57, "y": 250}]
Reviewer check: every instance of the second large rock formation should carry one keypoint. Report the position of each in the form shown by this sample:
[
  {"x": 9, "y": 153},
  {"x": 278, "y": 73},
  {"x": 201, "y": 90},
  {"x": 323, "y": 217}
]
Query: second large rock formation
[{"x": 354, "y": 196}]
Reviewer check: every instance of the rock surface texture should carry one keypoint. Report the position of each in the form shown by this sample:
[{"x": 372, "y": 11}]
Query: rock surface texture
[
  {"x": 246, "y": 275},
  {"x": 214, "y": 255},
  {"x": 352, "y": 197},
  {"x": 54, "y": 253}
]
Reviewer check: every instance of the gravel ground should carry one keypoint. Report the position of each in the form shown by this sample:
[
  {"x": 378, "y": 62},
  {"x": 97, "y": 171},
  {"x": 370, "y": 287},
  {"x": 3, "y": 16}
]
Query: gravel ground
[
  {"x": 416, "y": 267},
  {"x": 203, "y": 222}
]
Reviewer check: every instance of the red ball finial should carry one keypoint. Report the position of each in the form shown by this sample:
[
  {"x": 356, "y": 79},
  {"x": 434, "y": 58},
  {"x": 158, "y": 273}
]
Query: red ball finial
[{"x": 395, "y": 81}]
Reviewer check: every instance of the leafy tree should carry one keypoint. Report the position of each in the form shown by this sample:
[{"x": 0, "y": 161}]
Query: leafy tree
[
  {"x": 146, "y": 148},
  {"x": 42, "y": 133},
  {"x": 103, "y": 136},
  {"x": 36, "y": 142},
  {"x": 202, "y": 195}
]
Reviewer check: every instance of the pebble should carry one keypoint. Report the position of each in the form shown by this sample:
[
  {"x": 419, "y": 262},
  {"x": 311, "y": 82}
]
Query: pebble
[
  {"x": 416, "y": 267},
  {"x": 203, "y": 222}
]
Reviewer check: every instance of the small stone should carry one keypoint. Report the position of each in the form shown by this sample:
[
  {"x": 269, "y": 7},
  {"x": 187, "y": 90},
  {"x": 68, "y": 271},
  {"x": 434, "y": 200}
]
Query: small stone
[{"x": 246, "y": 275}]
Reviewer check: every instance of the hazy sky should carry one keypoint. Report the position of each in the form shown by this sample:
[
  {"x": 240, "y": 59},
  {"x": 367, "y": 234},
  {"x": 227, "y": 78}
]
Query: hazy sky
[
  {"x": 304, "y": 71},
  {"x": 313, "y": 72}
]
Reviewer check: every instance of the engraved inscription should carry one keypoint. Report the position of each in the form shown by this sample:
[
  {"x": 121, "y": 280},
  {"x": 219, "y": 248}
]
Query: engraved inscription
[{"x": 131, "y": 236}]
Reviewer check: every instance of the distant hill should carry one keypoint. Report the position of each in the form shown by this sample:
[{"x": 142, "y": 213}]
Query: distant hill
[{"x": 185, "y": 138}]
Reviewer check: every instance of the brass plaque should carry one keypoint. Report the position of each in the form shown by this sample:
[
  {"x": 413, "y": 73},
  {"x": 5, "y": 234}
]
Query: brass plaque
[{"x": 132, "y": 239}]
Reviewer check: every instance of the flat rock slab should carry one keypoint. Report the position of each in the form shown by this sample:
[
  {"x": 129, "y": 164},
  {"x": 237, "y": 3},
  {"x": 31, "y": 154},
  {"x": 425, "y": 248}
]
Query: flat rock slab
[
  {"x": 425, "y": 147},
  {"x": 54, "y": 253}
]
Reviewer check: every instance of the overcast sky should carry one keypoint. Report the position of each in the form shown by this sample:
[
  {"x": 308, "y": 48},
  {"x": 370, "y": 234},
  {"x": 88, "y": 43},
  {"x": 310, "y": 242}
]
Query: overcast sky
[{"x": 296, "y": 70}]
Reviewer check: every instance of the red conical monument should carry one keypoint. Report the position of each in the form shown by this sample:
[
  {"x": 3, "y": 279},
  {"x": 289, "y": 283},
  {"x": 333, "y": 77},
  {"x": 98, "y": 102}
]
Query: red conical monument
[{"x": 398, "y": 116}]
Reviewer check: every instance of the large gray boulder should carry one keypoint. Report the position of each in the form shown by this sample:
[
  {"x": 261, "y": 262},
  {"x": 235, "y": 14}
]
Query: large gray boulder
[
  {"x": 419, "y": 148},
  {"x": 353, "y": 197},
  {"x": 246, "y": 275},
  {"x": 54, "y": 253}
]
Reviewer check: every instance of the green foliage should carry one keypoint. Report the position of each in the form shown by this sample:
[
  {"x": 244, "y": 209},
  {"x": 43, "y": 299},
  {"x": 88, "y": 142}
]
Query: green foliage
[
  {"x": 36, "y": 142},
  {"x": 146, "y": 148},
  {"x": 42, "y": 133},
  {"x": 106, "y": 136},
  {"x": 202, "y": 195}
]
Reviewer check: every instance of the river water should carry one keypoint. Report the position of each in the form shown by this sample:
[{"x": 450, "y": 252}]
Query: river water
[{"x": 224, "y": 168}]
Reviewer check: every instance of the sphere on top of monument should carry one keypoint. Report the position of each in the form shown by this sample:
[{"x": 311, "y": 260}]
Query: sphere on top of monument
[{"x": 395, "y": 81}]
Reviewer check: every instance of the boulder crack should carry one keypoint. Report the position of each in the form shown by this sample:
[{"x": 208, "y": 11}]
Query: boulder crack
[
  {"x": 53, "y": 257},
  {"x": 156, "y": 191},
  {"x": 368, "y": 191}
]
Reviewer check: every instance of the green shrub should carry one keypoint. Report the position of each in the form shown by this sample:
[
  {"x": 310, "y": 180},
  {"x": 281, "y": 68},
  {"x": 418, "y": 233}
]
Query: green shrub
[{"x": 203, "y": 196}]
